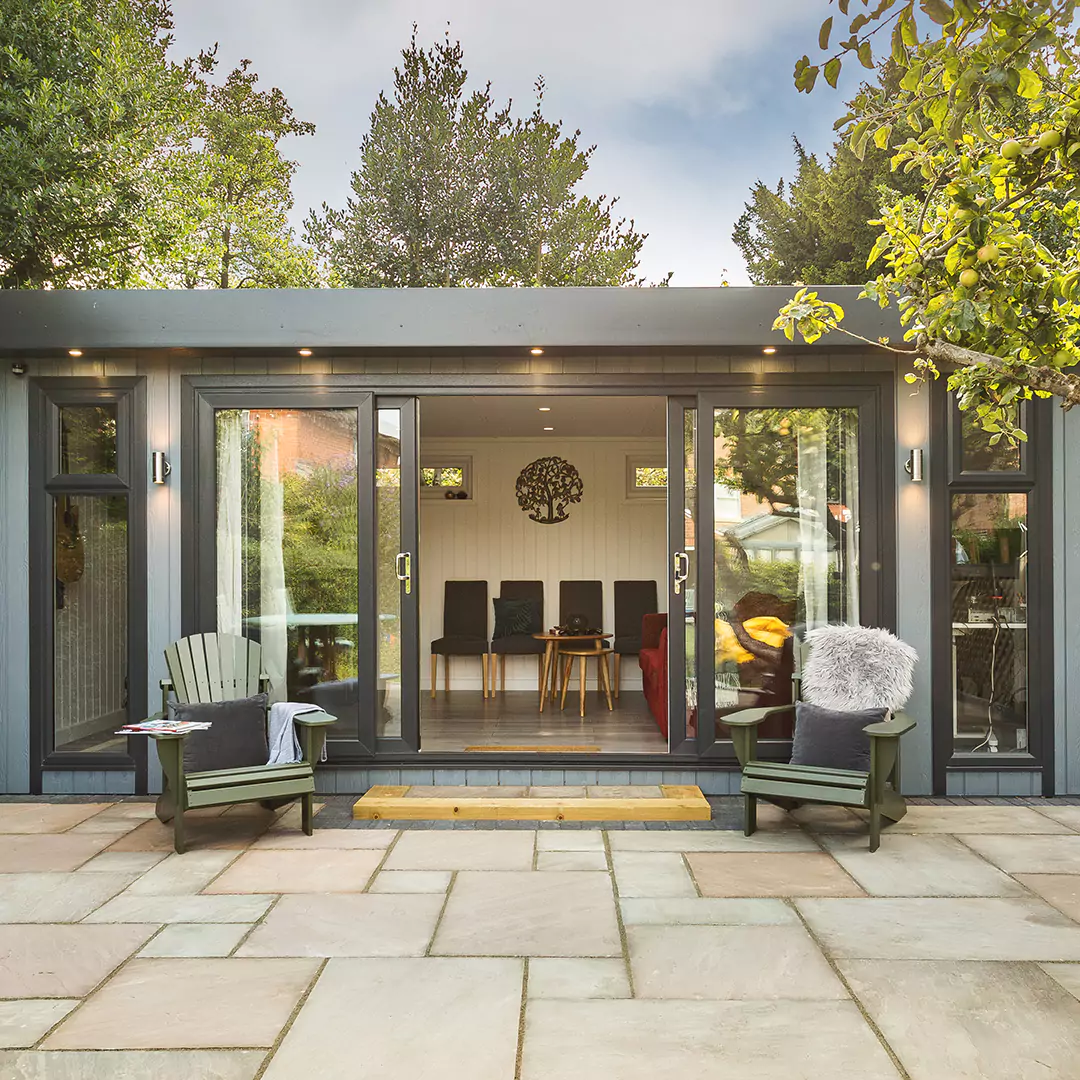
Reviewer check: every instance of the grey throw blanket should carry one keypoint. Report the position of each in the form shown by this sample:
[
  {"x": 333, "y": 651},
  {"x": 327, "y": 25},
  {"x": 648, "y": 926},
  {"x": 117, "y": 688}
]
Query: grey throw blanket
[{"x": 284, "y": 745}]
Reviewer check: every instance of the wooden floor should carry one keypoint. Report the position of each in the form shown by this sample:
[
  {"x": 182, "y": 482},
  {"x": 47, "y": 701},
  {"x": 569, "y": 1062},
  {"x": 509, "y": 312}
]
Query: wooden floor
[{"x": 464, "y": 718}]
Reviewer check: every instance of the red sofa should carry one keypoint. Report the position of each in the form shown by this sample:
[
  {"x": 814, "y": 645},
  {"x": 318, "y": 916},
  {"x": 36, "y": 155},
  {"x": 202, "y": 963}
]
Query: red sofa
[{"x": 653, "y": 663}]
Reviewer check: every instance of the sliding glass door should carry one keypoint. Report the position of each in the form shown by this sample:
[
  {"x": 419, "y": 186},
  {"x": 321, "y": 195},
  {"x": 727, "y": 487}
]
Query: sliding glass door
[{"x": 791, "y": 522}]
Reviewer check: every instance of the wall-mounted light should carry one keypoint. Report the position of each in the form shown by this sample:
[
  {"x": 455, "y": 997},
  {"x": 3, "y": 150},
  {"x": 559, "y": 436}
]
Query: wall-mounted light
[
  {"x": 74, "y": 352},
  {"x": 913, "y": 465},
  {"x": 769, "y": 350},
  {"x": 549, "y": 429},
  {"x": 544, "y": 408},
  {"x": 159, "y": 467},
  {"x": 18, "y": 369},
  {"x": 536, "y": 351},
  {"x": 304, "y": 352}
]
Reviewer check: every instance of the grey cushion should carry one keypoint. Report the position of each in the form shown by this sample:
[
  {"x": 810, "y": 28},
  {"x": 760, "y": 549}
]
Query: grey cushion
[
  {"x": 832, "y": 739},
  {"x": 236, "y": 739}
]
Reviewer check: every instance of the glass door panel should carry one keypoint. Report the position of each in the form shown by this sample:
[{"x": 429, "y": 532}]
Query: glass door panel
[
  {"x": 287, "y": 550},
  {"x": 784, "y": 515},
  {"x": 396, "y": 577}
]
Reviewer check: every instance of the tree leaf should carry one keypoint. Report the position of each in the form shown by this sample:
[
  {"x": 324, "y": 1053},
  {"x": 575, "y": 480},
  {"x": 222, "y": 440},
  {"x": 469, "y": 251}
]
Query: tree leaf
[
  {"x": 866, "y": 55},
  {"x": 938, "y": 10},
  {"x": 881, "y": 136},
  {"x": 832, "y": 71},
  {"x": 1030, "y": 84},
  {"x": 823, "y": 34},
  {"x": 859, "y": 134}
]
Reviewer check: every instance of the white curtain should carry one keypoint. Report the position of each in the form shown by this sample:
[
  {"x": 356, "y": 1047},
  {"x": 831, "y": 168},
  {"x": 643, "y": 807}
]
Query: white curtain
[
  {"x": 229, "y": 532},
  {"x": 813, "y": 518},
  {"x": 273, "y": 599}
]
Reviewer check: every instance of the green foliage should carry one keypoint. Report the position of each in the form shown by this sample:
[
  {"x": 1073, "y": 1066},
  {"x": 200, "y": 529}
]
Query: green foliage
[
  {"x": 227, "y": 193},
  {"x": 89, "y": 102},
  {"x": 817, "y": 228},
  {"x": 452, "y": 190},
  {"x": 985, "y": 267}
]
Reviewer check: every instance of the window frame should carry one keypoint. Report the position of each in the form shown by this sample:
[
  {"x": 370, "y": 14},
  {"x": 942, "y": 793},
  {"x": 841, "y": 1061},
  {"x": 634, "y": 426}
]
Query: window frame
[
  {"x": 464, "y": 462},
  {"x": 1034, "y": 480},
  {"x": 646, "y": 461},
  {"x": 46, "y": 398}
]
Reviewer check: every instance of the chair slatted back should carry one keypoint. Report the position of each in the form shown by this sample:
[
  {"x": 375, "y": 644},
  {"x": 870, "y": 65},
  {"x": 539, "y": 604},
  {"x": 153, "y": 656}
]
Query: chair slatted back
[{"x": 214, "y": 667}]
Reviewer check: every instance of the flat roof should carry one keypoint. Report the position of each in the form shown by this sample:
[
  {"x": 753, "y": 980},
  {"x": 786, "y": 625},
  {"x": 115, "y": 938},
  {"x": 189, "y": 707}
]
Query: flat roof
[{"x": 47, "y": 321}]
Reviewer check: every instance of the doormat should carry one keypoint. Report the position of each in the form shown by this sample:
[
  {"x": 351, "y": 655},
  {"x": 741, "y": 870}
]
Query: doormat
[
  {"x": 533, "y": 749},
  {"x": 666, "y": 802}
]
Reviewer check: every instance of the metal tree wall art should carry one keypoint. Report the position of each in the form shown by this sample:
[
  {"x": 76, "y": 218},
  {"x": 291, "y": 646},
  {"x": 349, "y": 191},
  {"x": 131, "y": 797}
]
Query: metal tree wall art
[{"x": 546, "y": 487}]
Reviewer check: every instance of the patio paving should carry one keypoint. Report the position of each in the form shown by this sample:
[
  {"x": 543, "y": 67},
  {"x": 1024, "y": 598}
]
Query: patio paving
[{"x": 952, "y": 953}]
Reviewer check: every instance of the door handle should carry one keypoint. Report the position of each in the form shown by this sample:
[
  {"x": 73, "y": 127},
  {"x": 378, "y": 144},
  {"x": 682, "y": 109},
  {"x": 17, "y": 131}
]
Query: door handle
[
  {"x": 681, "y": 568},
  {"x": 403, "y": 565}
]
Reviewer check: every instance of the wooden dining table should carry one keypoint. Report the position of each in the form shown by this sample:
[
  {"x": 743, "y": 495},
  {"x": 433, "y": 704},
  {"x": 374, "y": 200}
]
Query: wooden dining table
[{"x": 551, "y": 658}]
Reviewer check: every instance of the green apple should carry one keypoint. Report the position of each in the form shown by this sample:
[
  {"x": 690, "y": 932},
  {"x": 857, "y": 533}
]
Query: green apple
[
  {"x": 969, "y": 278},
  {"x": 1011, "y": 149},
  {"x": 988, "y": 253}
]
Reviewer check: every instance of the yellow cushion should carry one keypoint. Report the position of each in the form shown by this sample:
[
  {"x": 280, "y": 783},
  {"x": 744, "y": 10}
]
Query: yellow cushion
[{"x": 765, "y": 628}]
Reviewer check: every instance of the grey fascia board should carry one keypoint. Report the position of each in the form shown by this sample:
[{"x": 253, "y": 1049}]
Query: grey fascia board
[{"x": 241, "y": 319}]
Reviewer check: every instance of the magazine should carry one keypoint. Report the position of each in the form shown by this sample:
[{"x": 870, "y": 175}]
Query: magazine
[{"x": 162, "y": 727}]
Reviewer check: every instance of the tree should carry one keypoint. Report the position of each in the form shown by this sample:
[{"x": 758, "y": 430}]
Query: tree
[
  {"x": 89, "y": 101},
  {"x": 817, "y": 228},
  {"x": 451, "y": 190},
  {"x": 984, "y": 267},
  {"x": 228, "y": 193}
]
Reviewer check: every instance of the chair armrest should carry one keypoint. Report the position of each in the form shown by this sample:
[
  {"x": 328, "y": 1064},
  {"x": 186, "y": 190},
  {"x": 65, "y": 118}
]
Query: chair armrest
[
  {"x": 891, "y": 728},
  {"x": 753, "y": 717},
  {"x": 652, "y": 625},
  {"x": 166, "y": 684},
  {"x": 315, "y": 719}
]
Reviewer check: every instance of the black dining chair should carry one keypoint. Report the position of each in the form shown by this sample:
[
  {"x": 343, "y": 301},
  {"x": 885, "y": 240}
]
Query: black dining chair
[
  {"x": 633, "y": 601},
  {"x": 522, "y": 643},
  {"x": 465, "y": 624},
  {"x": 582, "y": 598}
]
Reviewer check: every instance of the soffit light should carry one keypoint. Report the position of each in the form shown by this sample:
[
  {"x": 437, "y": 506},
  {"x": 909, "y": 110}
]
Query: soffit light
[
  {"x": 544, "y": 408},
  {"x": 74, "y": 352},
  {"x": 536, "y": 351},
  {"x": 769, "y": 350},
  {"x": 304, "y": 352},
  {"x": 549, "y": 429}
]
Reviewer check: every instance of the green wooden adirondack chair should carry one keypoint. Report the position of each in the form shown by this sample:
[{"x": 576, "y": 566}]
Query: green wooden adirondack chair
[
  {"x": 789, "y": 786},
  {"x": 224, "y": 667}
]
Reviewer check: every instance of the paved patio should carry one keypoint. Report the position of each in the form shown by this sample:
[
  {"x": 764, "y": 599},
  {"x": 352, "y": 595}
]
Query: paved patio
[{"x": 540, "y": 954}]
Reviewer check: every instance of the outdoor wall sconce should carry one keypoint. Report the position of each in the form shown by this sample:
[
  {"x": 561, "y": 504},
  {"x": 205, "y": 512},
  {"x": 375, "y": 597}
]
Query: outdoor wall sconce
[
  {"x": 159, "y": 467},
  {"x": 913, "y": 465}
]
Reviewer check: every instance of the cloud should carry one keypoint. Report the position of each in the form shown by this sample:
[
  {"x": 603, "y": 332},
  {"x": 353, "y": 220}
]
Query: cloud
[{"x": 666, "y": 90}]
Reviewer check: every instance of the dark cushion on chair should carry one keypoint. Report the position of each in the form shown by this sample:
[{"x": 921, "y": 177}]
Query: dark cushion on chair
[
  {"x": 459, "y": 646},
  {"x": 515, "y": 617},
  {"x": 628, "y": 645},
  {"x": 831, "y": 739},
  {"x": 235, "y": 740}
]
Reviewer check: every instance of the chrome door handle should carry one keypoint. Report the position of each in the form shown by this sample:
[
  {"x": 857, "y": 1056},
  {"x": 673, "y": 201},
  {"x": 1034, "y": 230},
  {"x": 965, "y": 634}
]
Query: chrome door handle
[
  {"x": 403, "y": 566},
  {"x": 681, "y": 567}
]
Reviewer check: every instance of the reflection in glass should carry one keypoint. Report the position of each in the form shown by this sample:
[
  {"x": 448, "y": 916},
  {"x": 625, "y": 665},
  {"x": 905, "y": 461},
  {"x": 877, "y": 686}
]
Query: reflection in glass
[
  {"x": 90, "y": 568},
  {"x": 87, "y": 439},
  {"x": 980, "y": 453},
  {"x": 388, "y": 587},
  {"x": 287, "y": 550},
  {"x": 786, "y": 500},
  {"x": 989, "y": 622}
]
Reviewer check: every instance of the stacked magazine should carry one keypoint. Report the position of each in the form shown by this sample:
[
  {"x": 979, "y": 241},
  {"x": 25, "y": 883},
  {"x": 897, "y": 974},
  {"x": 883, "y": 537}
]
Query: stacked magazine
[{"x": 162, "y": 727}]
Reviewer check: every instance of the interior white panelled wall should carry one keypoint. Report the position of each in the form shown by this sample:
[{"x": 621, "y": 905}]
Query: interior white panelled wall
[{"x": 608, "y": 537}]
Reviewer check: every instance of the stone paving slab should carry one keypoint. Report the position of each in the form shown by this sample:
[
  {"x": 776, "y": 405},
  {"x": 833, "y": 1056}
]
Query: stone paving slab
[
  {"x": 57, "y": 898},
  {"x": 23, "y": 1022},
  {"x": 529, "y": 913},
  {"x": 298, "y": 872},
  {"x": 1061, "y": 890},
  {"x": 770, "y": 874},
  {"x": 47, "y": 852},
  {"x": 188, "y": 1004},
  {"x": 708, "y": 1040},
  {"x": 406, "y": 1019},
  {"x": 440, "y": 850},
  {"x": 38, "y": 817},
  {"x": 949, "y": 1020},
  {"x": 577, "y": 979},
  {"x": 1030, "y": 854}
]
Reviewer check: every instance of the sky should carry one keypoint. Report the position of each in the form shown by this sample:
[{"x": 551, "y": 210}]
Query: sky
[{"x": 689, "y": 102}]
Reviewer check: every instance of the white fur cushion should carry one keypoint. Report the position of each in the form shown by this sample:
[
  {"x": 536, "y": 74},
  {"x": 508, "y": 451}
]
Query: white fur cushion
[{"x": 857, "y": 667}]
